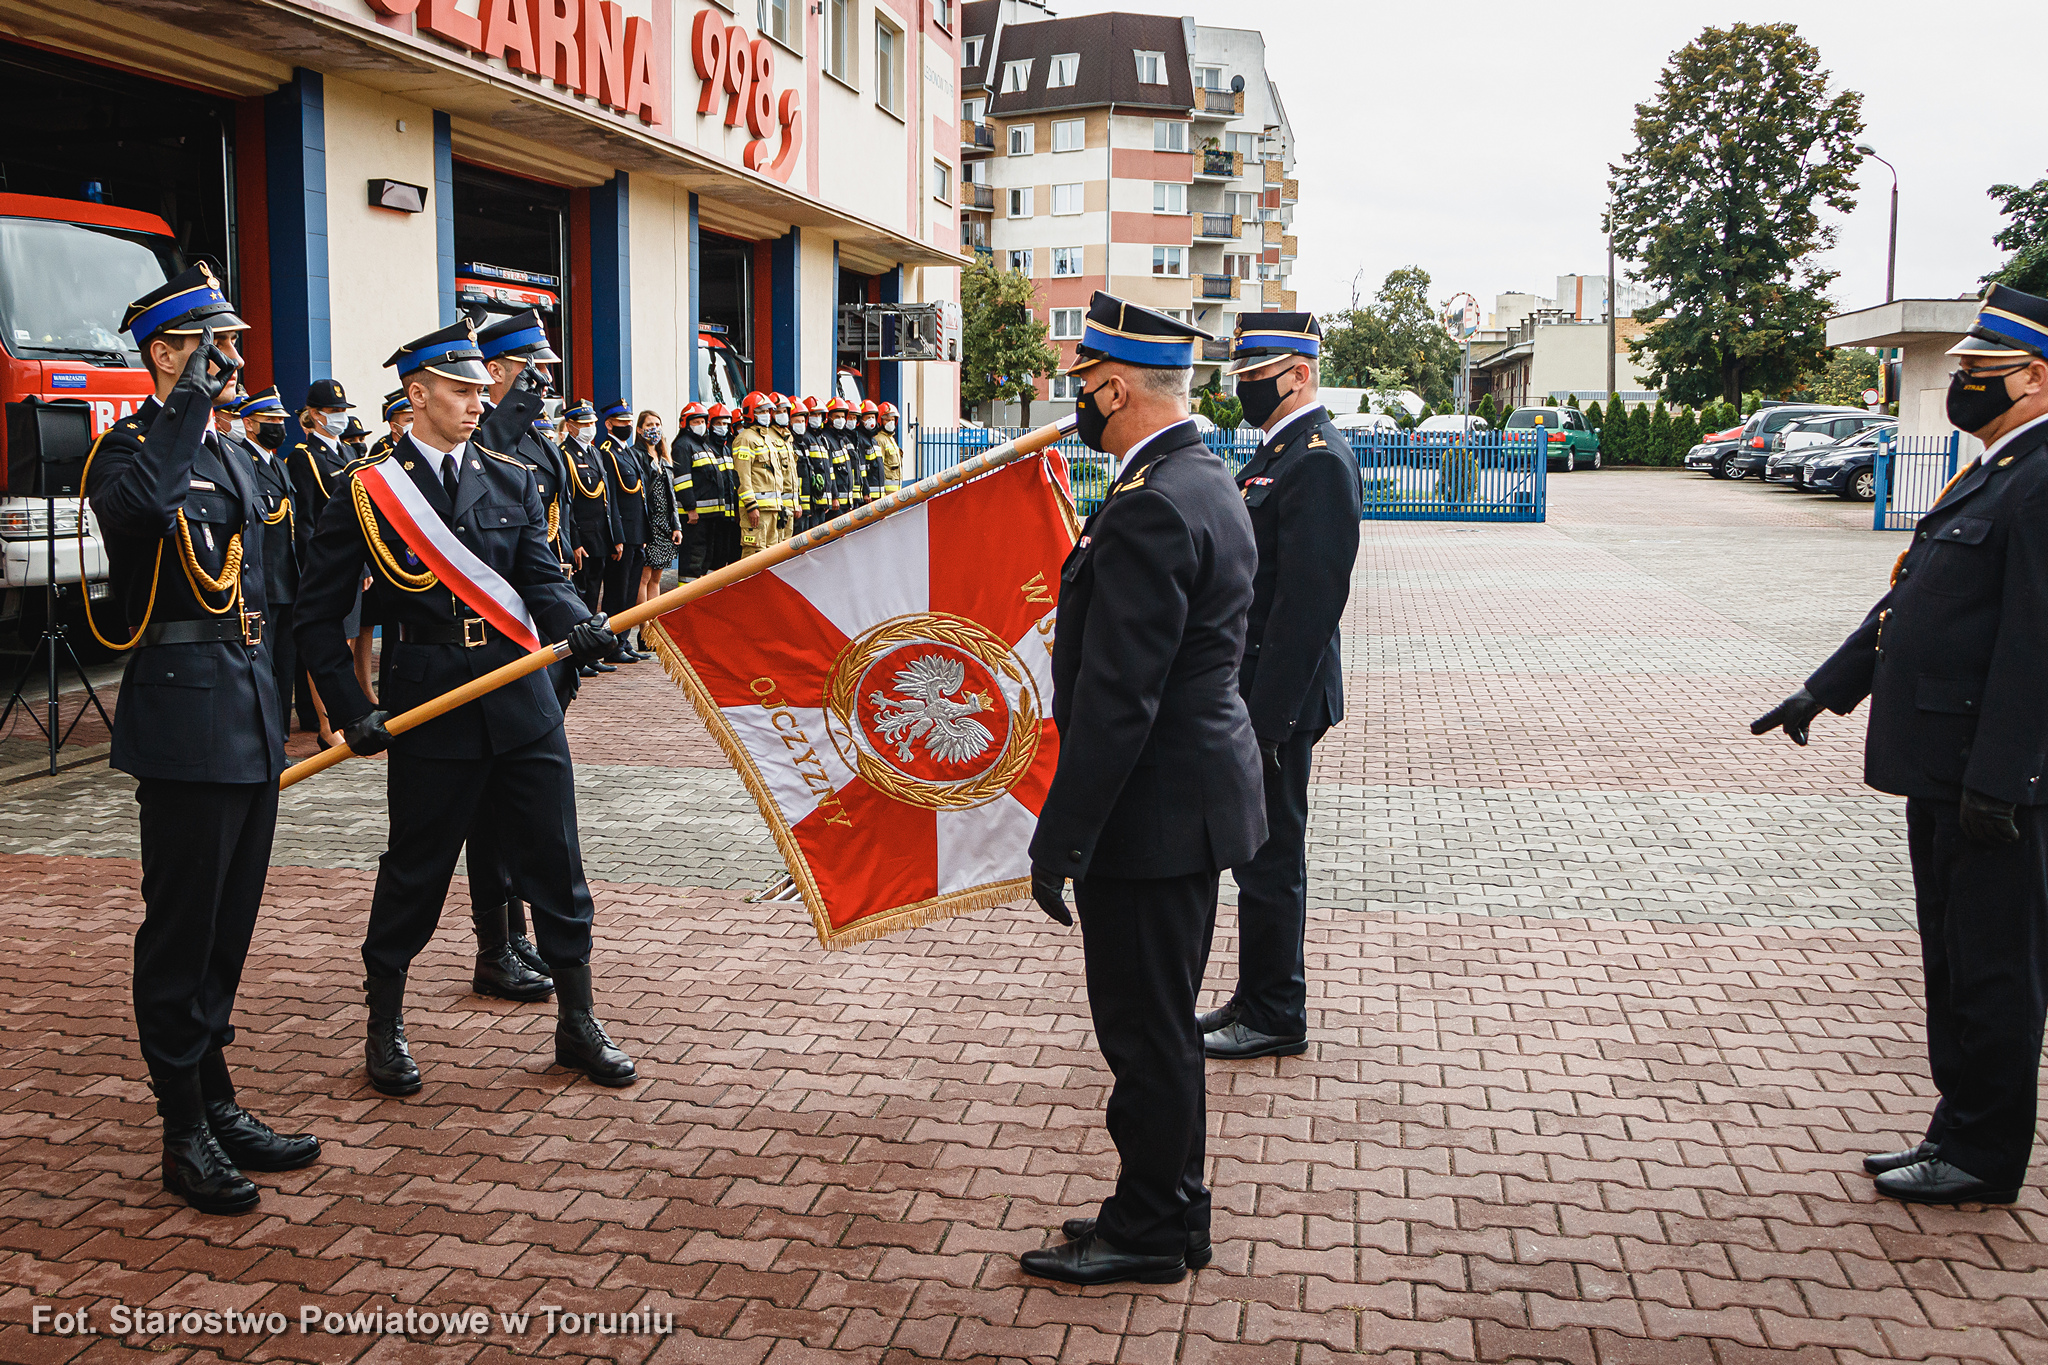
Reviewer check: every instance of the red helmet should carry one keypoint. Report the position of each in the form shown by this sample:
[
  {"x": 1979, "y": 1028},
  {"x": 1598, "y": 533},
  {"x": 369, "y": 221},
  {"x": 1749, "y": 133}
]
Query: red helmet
[
  {"x": 887, "y": 410},
  {"x": 783, "y": 402},
  {"x": 811, "y": 405},
  {"x": 756, "y": 399},
  {"x": 836, "y": 404},
  {"x": 719, "y": 413},
  {"x": 867, "y": 407},
  {"x": 693, "y": 410}
]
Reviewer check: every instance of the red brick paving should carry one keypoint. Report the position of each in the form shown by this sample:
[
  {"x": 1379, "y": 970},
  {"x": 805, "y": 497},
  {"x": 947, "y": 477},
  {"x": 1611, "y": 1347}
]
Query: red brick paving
[{"x": 1512, "y": 1140}]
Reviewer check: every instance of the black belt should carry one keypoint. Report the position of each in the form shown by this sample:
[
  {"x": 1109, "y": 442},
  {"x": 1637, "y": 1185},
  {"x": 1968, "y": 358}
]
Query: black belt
[
  {"x": 470, "y": 632},
  {"x": 245, "y": 628}
]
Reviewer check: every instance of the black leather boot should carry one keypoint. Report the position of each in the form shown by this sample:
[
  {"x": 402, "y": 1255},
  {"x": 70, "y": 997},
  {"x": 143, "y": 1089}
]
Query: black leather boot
[
  {"x": 196, "y": 1170},
  {"x": 581, "y": 1044},
  {"x": 248, "y": 1141},
  {"x": 516, "y": 936},
  {"x": 499, "y": 969},
  {"x": 389, "y": 1060}
]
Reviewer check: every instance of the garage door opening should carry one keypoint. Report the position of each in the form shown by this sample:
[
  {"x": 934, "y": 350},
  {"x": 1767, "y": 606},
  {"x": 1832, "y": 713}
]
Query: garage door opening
[
  {"x": 725, "y": 318},
  {"x": 512, "y": 248}
]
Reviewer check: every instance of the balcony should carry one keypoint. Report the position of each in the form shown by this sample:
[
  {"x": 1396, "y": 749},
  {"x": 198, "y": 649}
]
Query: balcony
[
  {"x": 1270, "y": 233},
  {"x": 976, "y": 198},
  {"x": 1218, "y": 227},
  {"x": 1218, "y": 104},
  {"x": 1218, "y": 286},
  {"x": 1287, "y": 247},
  {"x": 1290, "y": 191},
  {"x": 977, "y": 137},
  {"x": 1220, "y": 166},
  {"x": 1215, "y": 350},
  {"x": 1274, "y": 178}
]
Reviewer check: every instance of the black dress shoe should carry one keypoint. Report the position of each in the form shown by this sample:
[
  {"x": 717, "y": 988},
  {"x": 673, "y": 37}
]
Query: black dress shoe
[
  {"x": 1220, "y": 1018},
  {"x": 603, "y": 666},
  {"x": 195, "y": 1169},
  {"x": 581, "y": 1043},
  {"x": 500, "y": 970},
  {"x": 1200, "y": 1252},
  {"x": 1094, "y": 1261},
  {"x": 522, "y": 948},
  {"x": 252, "y": 1145},
  {"x": 1237, "y": 1042},
  {"x": 587, "y": 671},
  {"x": 385, "y": 1054},
  {"x": 1934, "y": 1181},
  {"x": 1892, "y": 1161}
]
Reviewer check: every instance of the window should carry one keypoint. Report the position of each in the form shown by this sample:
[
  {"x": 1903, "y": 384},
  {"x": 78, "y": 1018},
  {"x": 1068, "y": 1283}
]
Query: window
[
  {"x": 1020, "y": 261},
  {"x": 970, "y": 52},
  {"x": 1169, "y": 260},
  {"x": 1069, "y": 134},
  {"x": 1245, "y": 206},
  {"x": 888, "y": 66},
  {"x": 973, "y": 111},
  {"x": 1066, "y": 199},
  {"x": 1209, "y": 77},
  {"x": 1246, "y": 143},
  {"x": 777, "y": 19},
  {"x": 1023, "y": 136},
  {"x": 842, "y": 44},
  {"x": 1068, "y": 386},
  {"x": 1066, "y": 324},
  {"x": 1240, "y": 266},
  {"x": 1151, "y": 68},
  {"x": 1066, "y": 260},
  {"x": 1177, "y": 314},
  {"x": 1020, "y": 203},
  {"x": 942, "y": 13},
  {"x": 1169, "y": 198},
  {"x": 1065, "y": 67},
  {"x": 1169, "y": 135},
  {"x": 1016, "y": 76},
  {"x": 974, "y": 173},
  {"x": 942, "y": 182}
]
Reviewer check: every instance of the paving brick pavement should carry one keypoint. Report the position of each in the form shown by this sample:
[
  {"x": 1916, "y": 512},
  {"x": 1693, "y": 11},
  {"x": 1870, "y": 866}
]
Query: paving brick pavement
[{"x": 1607, "y": 997}]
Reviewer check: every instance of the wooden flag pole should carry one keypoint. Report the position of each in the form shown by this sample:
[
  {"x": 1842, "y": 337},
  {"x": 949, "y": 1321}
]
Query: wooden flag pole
[{"x": 1028, "y": 444}]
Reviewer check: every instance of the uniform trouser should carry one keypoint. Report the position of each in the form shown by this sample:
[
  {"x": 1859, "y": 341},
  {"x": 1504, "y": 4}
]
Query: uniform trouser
[
  {"x": 1272, "y": 903},
  {"x": 622, "y": 579},
  {"x": 529, "y": 794},
  {"x": 205, "y": 852},
  {"x": 284, "y": 653},
  {"x": 1145, "y": 944},
  {"x": 1983, "y": 911},
  {"x": 589, "y": 580}
]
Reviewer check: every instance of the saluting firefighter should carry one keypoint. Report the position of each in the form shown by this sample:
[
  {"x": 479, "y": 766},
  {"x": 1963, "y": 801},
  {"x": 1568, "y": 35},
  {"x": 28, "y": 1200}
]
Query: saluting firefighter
[
  {"x": 598, "y": 533},
  {"x": 1303, "y": 492},
  {"x": 1157, "y": 788},
  {"x": 626, "y": 480},
  {"x": 262, "y": 417},
  {"x": 503, "y": 756},
  {"x": 397, "y": 417},
  {"x": 199, "y": 724},
  {"x": 1954, "y": 660},
  {"x": 888, "y": 453}
]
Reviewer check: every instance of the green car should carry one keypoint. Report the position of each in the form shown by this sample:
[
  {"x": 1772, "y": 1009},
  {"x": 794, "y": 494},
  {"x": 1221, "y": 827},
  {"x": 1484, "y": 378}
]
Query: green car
[{"x": 1573, "y": 444}]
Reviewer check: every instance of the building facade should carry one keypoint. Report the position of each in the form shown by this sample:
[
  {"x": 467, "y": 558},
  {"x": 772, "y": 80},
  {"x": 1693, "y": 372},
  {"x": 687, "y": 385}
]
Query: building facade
[
  {"x": 1139, "y": 154},
  {"x": 690, "y": 190}
]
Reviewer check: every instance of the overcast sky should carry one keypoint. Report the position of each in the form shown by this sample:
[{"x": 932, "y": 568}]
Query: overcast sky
[{"x": 1473, "y": 137}]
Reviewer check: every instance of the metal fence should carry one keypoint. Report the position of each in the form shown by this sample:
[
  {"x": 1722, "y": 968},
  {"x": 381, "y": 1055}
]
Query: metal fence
[
  {"x": 1408, "y": 476},
  {"x": 1910, "y": 475}
]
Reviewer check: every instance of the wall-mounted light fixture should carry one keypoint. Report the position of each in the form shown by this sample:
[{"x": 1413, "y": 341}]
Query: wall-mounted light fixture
[{"x": 398, "y": 196}]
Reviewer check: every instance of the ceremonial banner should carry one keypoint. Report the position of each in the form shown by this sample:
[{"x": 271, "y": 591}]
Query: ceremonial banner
[{"x": 888, "y": 700}]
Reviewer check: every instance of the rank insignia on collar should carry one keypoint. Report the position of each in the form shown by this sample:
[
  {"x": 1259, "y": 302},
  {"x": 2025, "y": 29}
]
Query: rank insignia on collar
[
  {"x": 2004, "y": 462},
  {"x": 1316, "y": 441}
]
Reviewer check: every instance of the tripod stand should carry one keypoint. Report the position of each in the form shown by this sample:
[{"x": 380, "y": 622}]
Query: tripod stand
[{"x": 53, "y": 641}]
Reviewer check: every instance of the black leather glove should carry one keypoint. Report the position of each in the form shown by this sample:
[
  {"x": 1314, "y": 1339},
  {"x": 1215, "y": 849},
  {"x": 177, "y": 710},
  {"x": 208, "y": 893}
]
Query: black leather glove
[
  {"x": 1794, "y": 714},
  {"x": 1270, "y": 748},
  {"x": 1986, "y": 821},
  {"x": 1049, "y": 889},
  {"x": 368, "y": 736},
  {"x": 198, "y": 376},
  {"x": 592, "y": 639}
]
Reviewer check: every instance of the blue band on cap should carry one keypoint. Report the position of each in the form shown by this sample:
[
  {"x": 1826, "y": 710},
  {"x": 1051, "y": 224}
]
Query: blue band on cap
[
  {"x": 396, "y": 405},
  {"x": 618, "y": 410},
  {"x": 168, "y": 311},
  {"x": 2033, "y": 338},
  {"x": 1263, "y": 344},
  {"x": 260, "y": 403},
  {"x": 433, "y": 355},
  {"x": 1165, "y": 353},
  {"x": 512, "y": 341}
]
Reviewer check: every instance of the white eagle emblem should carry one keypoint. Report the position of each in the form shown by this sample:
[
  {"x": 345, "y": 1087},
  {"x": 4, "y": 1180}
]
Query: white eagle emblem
[{"x": 924, "y": 707}]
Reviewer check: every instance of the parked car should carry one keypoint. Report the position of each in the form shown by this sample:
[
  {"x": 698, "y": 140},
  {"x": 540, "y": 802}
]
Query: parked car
[
  {"x": 1707, "y": 454},
  {"x": 1349, "y": 422},
  {"x": 1451, "y": 421},
  {"x": 1752, "y": 449},
  {"x": 1828, "y": 429},
  {"x": 1848, "y": 470},
  {"x": 1571, "y": 441},
  {"x": 1789, "y": 466}
]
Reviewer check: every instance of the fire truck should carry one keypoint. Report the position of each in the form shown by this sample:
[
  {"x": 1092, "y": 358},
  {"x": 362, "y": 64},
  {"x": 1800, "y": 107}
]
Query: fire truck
[{"x": 68, "y": 269}]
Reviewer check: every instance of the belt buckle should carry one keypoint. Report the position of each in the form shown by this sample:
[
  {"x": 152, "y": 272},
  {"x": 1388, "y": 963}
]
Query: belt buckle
[
  {"x": 252, "y": 628},
  {"x": 473, "y": 632}
]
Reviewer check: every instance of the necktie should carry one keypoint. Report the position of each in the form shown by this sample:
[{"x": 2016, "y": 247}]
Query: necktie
[{"x": 449, "y": 478}]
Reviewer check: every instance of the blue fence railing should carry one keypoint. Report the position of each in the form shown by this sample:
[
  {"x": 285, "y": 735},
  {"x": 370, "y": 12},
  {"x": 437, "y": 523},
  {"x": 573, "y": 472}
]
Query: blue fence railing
[
  {"x": 1408, "y": 476},
  {"x": 1910, "y": 475}
]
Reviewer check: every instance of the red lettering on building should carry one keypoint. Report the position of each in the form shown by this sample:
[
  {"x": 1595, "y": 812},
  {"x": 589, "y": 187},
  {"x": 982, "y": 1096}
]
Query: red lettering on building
[
  {"x": 398, "y": 8},
  {"x": 727, "y": 61},
  {"x": 646, "y": 92},
  {"x": 707, "y": 51},
  {"x": 441, "y": 18},
  {"x": 561, "y": 54},
  {"x": 509, "y": 33},
  {"x": 588, "y": 46},
  {"x": 604, "y": 53}
]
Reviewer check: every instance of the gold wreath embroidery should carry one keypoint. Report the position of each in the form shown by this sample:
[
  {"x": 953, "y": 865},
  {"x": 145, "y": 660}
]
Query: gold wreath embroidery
[
  {"x": 366, "y": 514},
  {"x": 970, "y": 637}
]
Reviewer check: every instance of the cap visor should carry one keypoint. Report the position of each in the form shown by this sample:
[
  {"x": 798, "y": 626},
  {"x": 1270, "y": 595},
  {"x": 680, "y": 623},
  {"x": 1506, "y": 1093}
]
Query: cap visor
[
  {"x": 467, "y": 371},
  {"x": 1246, "y": 364},
  {"x": 1081, "y": 363},
  {"x": 1991, "y": 349},
  {"x": 219, "y": 322}
]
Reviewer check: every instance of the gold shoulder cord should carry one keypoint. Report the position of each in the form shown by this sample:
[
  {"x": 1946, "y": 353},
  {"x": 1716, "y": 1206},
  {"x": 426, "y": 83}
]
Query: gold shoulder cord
[
  {"x": 155, "y": 572},
  {"x": 622, "y": 477},
  {"x": 230, "y": 580},
  {"x": 554, "y": 520},
  {"x": 576, "y": 477},
  {"x": 313, "y": 463},
  {"x": 366, "y": 515}
]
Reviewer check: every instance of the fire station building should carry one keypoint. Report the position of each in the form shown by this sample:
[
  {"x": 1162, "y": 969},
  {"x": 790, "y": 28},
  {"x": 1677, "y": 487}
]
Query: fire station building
[{"x": 702, "y": 196}]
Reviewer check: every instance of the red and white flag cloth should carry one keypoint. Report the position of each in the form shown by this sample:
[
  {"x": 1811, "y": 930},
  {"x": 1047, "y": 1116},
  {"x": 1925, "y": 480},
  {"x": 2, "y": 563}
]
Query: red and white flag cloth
[
  {"x": 888, "y": 700},
  {"x": 480, "y": 587}
]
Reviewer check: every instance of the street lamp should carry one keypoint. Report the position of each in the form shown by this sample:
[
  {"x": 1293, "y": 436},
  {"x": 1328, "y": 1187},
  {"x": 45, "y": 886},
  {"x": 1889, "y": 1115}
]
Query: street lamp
[{"x": 1891, "y": 256}]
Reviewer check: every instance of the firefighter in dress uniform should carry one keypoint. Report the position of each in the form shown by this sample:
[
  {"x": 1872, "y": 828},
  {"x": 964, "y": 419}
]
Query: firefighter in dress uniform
[
  {"x": 598, "y": 532},
  {"x": 262, "y": 416},
  {"x": 504, "y": 753},
  {"x": 397, "y": 417},
  {"x": 199, "y": 724},
  {"x": 1158, "y": 785},
  {"x": 1954, "y": 661},
  {"x": 1303, "y": 492},
  {"x": 626, "y": 481},
  {"x": 316, "y": 461}
]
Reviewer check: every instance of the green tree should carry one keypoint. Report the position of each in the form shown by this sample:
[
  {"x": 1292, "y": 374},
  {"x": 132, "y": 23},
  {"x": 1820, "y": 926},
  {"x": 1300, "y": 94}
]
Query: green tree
[
  {"x": 1571, "y": 400},
  {"x": 1003, "y": 346},
  {"x": 1488, "y": 411},
  {"x": 1640, "y": 450},
  {"x": 1719, "y": 203},
  {"x": 2026, "y": 237},
  {"x": 1614, "y": 434},
  {"x": 1848, "y": 372},
  {"x": 1395, "y": 342},
  {"x": 1594, "y": 415},
  {"x": 1219, "y": 407},
  {"x": 1660, "y": 435},
  {"x": 1685, "y": 434}
]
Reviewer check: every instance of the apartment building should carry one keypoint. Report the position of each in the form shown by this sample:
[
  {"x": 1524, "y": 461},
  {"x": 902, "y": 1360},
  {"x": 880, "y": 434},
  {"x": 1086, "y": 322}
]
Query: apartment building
[{"x": 1141, "y": 154}]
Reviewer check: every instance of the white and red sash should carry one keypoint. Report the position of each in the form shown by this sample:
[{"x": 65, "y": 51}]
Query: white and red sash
[{"x": 482, "y": 588}]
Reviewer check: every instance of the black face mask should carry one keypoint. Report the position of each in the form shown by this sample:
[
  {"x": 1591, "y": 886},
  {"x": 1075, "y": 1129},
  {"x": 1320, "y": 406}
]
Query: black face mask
[
  {"x": 1977, "y": 400},
  {"x": 1261, "y": 398},
  {"x": 621, "y": 433},
  {"x": 270, "y": 435},
  {"x": 1092, "y": 420}
]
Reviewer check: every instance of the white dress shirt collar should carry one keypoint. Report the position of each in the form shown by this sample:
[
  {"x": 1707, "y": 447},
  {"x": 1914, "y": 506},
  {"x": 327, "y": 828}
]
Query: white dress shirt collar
[{"x": 1273, "y": 432}]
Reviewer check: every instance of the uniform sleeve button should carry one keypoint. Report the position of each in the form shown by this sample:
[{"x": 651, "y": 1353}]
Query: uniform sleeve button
[{"x": 1073, "y": 855}]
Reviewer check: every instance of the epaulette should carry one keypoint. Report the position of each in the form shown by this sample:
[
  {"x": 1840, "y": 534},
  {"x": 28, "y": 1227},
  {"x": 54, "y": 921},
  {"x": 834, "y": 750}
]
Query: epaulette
[
  {"x": 505, "y": 459},
  {"x": 348, "y": 470}
]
